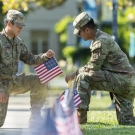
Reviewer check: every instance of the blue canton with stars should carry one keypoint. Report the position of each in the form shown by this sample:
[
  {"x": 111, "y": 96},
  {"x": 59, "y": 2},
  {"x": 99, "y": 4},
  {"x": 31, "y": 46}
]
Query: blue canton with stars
[{"x": 50, "y": 63}]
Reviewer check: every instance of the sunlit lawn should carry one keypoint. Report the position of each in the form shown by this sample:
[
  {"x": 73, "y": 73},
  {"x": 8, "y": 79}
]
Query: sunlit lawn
[{"x": 102, "y": 121}]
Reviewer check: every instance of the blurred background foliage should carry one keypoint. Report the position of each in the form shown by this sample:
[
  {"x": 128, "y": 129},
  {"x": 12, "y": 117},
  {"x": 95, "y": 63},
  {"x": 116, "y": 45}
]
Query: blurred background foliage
[
  {"x": 68, "y": 52},
  {"x": 126, "y": 18},
  {"x": 126, "y": 22},
  {"x": 61, "y": 27},
  {"x": 25, "y": 5}
]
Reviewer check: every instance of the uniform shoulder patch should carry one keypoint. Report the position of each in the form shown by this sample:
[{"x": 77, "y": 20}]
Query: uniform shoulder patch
[{"x": 95, "y": 45}]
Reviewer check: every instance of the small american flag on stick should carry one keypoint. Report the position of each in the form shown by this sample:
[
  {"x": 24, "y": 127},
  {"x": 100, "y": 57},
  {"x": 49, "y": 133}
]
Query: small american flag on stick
[
  {"x": 48, "y": 70},
  {"x": 66, "y": 123},
  {"x": 76, "y": 97}
]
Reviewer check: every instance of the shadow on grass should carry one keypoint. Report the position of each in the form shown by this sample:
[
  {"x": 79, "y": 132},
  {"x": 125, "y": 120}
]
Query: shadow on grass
[
  {"x": 101, "y": 109},
  {"x": 97, "y": 123}
]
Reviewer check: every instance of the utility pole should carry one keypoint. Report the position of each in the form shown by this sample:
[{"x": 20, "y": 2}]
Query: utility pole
[
  {"x": 115, "y": 35},
  {"x": 98, "y": 14},
  {"x": 79, "y": 10},
  {"x": 114, "y": 22}
]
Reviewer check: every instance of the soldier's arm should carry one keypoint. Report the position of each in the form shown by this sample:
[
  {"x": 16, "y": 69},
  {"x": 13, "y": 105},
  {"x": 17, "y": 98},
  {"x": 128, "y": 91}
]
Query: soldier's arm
[
  {"x": 99, "y": 51},
  {"x": 28, "y": 58},
  {"x": 1, "y": 85},
  {"x": 3, "y": 97}
]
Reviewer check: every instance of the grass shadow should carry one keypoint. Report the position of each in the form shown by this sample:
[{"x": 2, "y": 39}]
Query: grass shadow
[
  {"x": 98, "y": 123},
  {"x": 101, "y": 109}
]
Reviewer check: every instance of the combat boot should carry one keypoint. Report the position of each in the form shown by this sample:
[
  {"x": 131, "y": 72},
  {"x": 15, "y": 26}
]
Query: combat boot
[
  {"x": 36, "y": 120},
  {"x": 82, "y": 116}
]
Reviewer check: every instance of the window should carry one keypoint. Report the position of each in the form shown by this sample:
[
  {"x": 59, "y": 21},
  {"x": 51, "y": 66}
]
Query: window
[{"x": 39, "y": 41}]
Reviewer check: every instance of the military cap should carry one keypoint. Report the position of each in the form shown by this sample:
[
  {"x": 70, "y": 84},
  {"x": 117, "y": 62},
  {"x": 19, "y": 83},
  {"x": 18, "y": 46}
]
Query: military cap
[
  {"x": 15, "y": 16},
  {"x": 80, "y": 21}
]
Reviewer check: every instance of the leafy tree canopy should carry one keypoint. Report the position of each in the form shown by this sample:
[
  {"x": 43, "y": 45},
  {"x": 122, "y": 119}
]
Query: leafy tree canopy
[
  {"x": 24, "y": 5},
  {"x": 123, "y": 4},
  {"x": 126, "y": 15}
]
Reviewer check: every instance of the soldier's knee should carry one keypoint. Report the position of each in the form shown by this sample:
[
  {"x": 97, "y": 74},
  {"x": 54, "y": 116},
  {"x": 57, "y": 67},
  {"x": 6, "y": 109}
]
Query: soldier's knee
[
  {"x": 2, "y": 120},
  {"x": 1, "y": 124},
  {"x": 82, "y": 81}
]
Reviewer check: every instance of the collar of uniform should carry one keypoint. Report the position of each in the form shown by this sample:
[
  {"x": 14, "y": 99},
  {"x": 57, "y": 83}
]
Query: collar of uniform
[
  {"x": 97, "y": 34},
  {"x": 4, "y": 32}
]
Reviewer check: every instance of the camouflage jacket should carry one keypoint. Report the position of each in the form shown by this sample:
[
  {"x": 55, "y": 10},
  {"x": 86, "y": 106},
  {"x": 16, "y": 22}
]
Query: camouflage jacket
[
  {"x": 11, "y": 50},
  {"x": 106, "y": 55}
]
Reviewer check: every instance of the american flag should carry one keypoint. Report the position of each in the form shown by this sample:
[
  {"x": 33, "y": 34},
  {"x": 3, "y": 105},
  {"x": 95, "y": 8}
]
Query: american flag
[
  {"x": 48, "y": 70},
  {"x": 73, "y": 119},
  {"x": 76, "y": 97},
  {"x": 61, "y": 119},
  {"x": 49, "y": 127},
  {"x": 66, "y": 124},
  {"x": 77, "y": 100}
]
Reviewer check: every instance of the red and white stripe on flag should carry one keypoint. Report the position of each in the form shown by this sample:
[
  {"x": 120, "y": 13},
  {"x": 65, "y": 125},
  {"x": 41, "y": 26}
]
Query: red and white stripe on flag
[
  {"x": 48, "y": 70},
  {"x": 76, "y": 98},
  {"x": 68, "y": 125},
  {"x": 66, "y": 120}
]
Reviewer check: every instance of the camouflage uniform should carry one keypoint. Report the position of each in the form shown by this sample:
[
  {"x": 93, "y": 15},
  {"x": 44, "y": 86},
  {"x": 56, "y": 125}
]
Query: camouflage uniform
[
  {"x": 108, "y": 69},
  {"x": 11, "y": 50}
]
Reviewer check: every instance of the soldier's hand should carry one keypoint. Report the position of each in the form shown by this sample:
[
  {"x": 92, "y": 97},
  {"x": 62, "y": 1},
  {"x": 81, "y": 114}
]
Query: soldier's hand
[
  {"x": 70, "y": 77},
  {"x": 49, "y": 53},
  {"x": 3, "y": 97}
]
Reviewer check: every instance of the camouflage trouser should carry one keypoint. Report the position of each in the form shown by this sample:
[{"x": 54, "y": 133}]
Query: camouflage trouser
[
  {"x": 22, "y": 84},
  {"x": 121, "y": 85}
]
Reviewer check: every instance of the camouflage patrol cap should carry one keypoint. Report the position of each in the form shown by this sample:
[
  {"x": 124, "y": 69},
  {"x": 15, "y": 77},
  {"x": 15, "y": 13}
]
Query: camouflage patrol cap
[
  {"x": 80, "y": 21},
  {"x": 16, "y": 16}
]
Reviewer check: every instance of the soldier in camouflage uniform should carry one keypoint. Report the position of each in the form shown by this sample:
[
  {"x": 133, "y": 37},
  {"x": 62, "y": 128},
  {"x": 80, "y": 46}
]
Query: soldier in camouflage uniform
[
  {"x": 13, "y": 49},
  {"x": 108, "y": 69}
]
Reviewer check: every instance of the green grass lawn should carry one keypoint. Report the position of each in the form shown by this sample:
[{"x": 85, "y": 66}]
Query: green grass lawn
[{"x": 102, "y": 121}]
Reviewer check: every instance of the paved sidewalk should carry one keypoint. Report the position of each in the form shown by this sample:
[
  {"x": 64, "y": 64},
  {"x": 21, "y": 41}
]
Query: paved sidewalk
[
  {"x": 58, "y": 82},
  {"x": 18, "y": 114}
]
